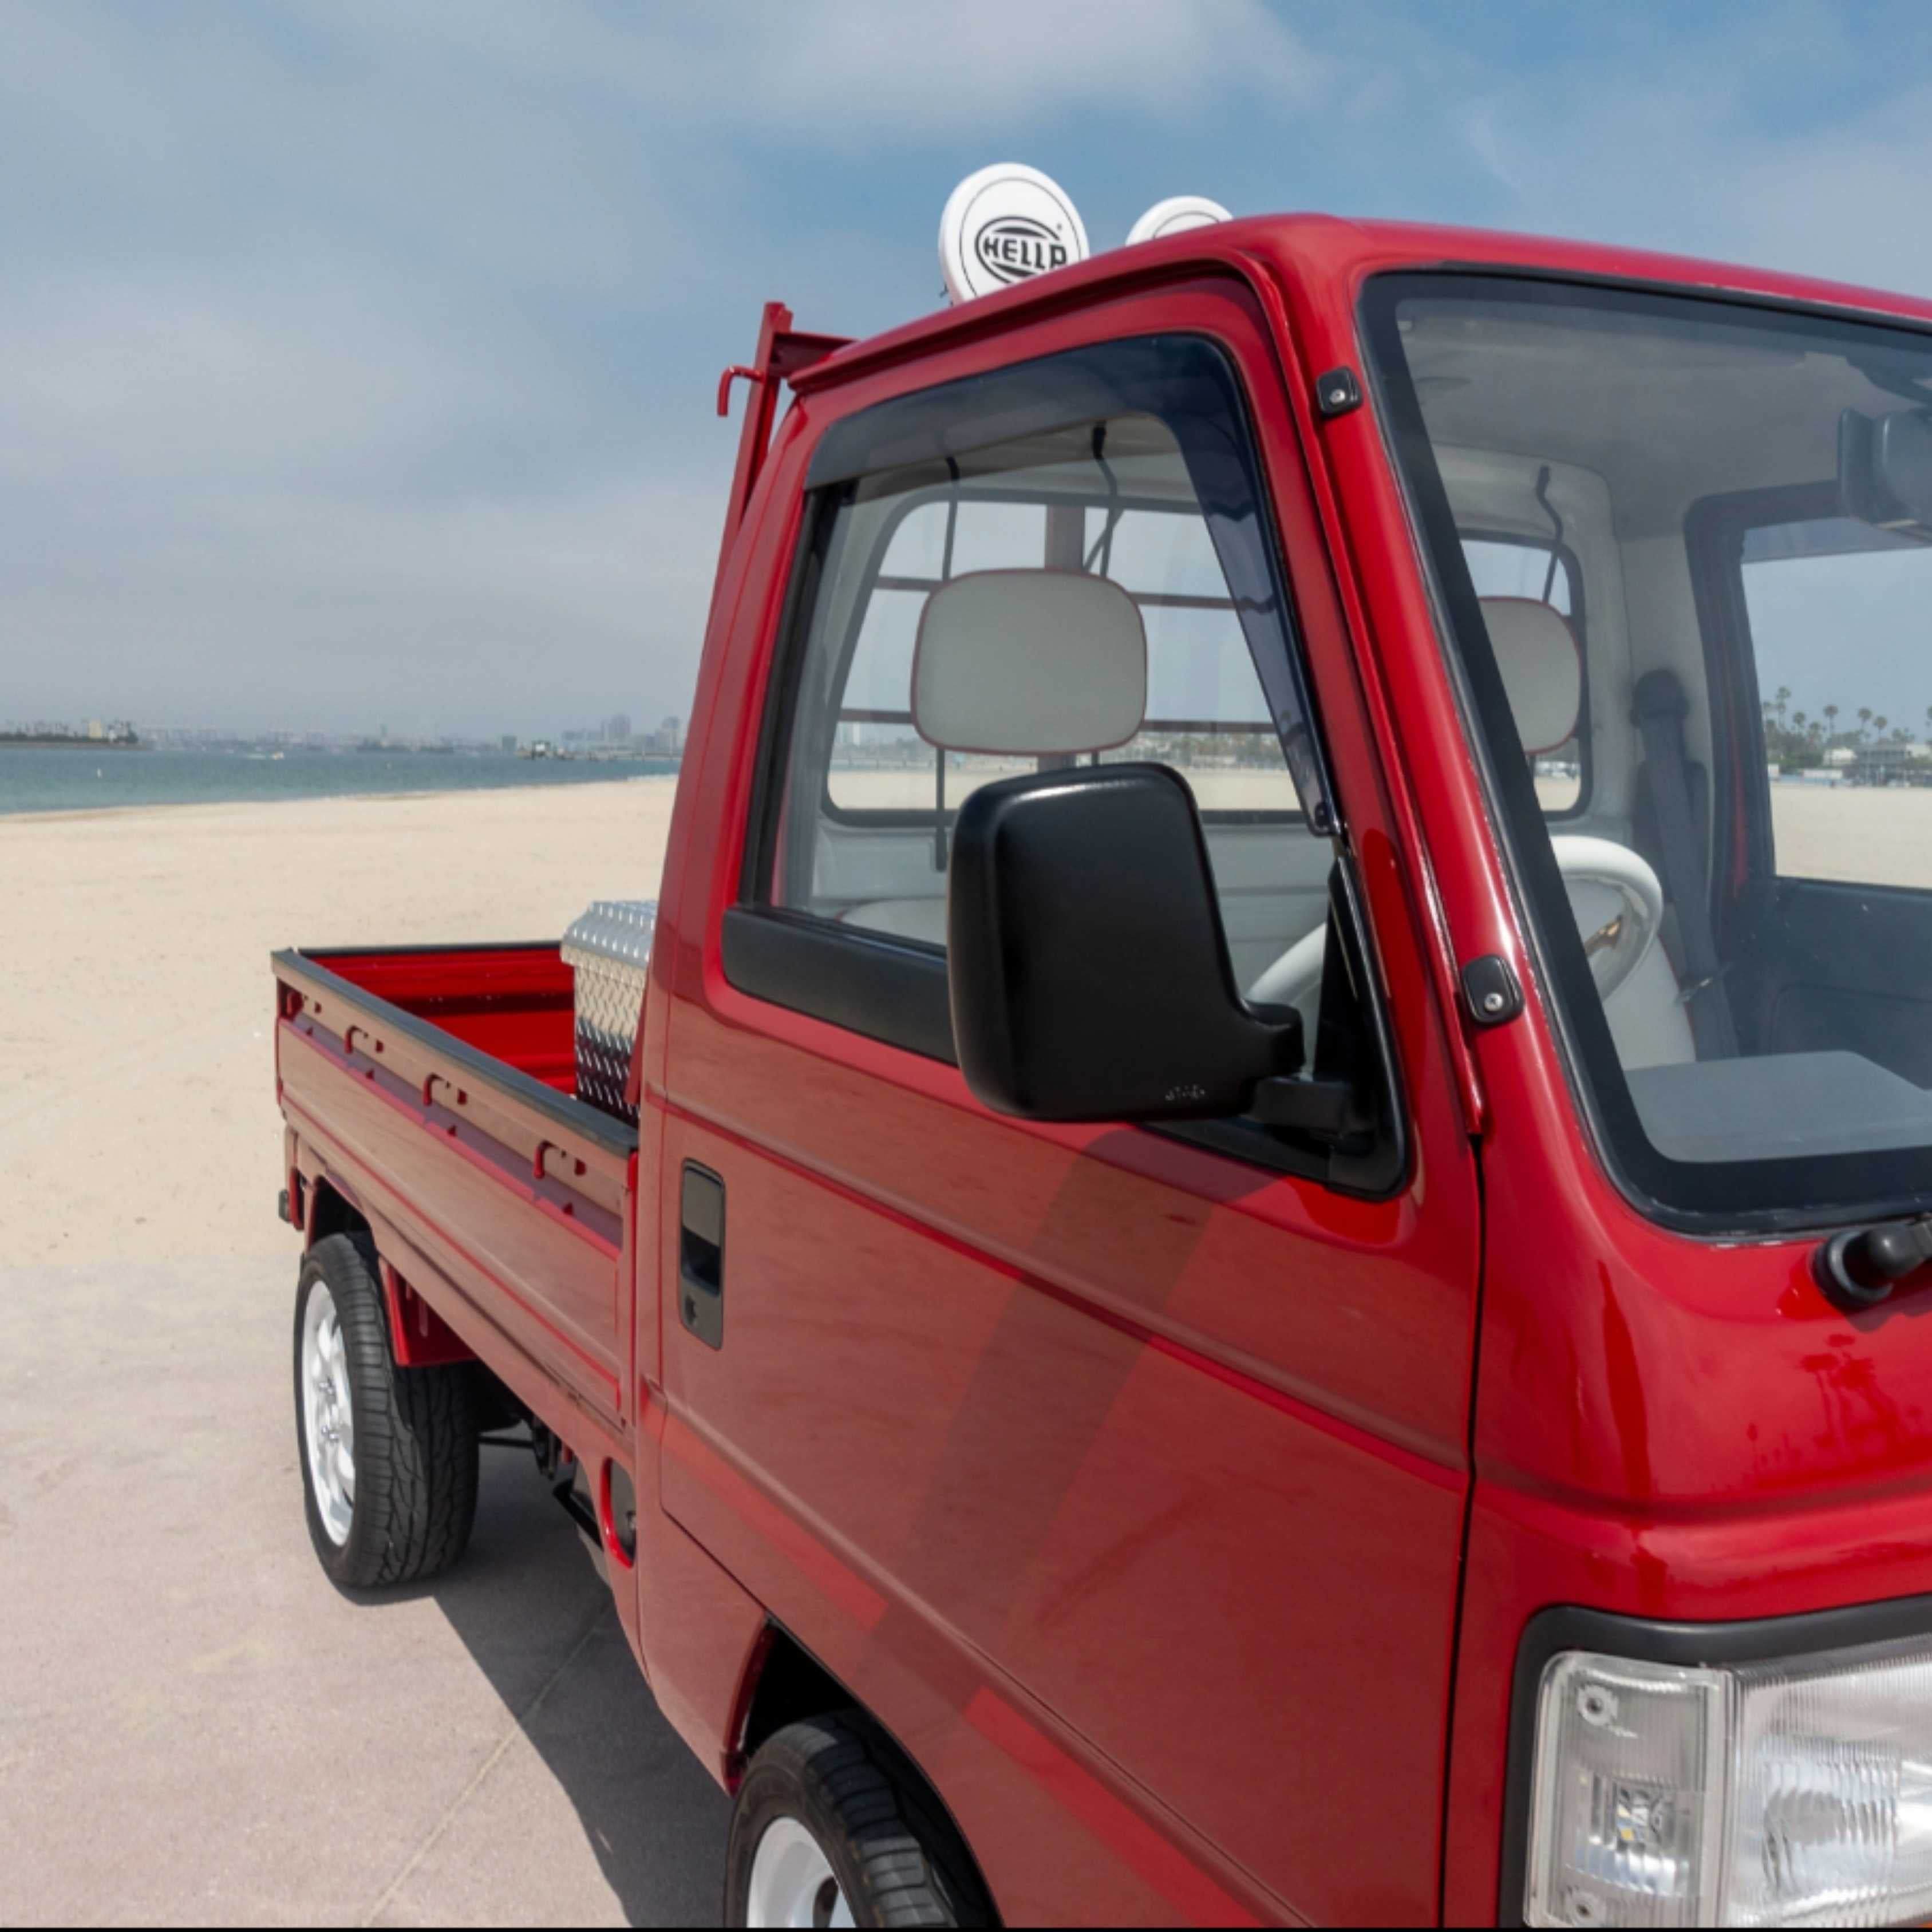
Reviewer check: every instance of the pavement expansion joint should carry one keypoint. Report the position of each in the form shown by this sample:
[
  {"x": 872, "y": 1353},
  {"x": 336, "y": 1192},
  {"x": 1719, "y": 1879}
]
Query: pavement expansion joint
[{"x": 520, "y": 1722}]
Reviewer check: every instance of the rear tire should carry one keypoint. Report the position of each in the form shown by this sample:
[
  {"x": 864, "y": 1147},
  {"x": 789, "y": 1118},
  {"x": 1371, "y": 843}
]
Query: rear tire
[
  {"x": 831, "y": 1828},
  {"x": 389, "y": 1455}
]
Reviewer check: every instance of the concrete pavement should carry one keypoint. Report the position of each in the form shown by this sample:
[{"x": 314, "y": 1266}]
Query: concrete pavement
[{"x": 195, "y": 1726}]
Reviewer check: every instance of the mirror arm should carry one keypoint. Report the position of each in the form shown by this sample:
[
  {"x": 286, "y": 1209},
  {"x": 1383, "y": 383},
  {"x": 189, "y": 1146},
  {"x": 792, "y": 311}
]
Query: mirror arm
[{"x": 1331, "y": 1108}]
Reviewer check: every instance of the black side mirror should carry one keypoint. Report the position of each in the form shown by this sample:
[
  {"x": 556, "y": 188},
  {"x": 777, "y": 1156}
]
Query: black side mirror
[{"x": 1089, "y": 974}]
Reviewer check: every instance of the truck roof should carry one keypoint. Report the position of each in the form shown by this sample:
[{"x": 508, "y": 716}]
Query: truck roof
[{"x": 1341, "y": 253}]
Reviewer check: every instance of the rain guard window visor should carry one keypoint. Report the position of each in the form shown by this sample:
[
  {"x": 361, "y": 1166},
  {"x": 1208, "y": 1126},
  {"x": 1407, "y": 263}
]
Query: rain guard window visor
[{"x": 1736, "y": 918}]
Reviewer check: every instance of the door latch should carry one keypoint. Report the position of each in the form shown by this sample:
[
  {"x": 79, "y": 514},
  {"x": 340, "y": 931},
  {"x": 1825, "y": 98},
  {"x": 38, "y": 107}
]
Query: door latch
[{"x": 700, "y": 1254}]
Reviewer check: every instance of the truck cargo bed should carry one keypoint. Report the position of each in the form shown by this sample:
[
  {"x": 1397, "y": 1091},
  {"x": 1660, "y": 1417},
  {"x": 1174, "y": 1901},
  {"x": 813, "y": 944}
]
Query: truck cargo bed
[{"x": 431, "y": 1088}]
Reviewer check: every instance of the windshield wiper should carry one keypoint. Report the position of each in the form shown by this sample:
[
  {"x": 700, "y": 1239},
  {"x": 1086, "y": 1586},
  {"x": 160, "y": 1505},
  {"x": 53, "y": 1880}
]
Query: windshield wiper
[{"x": 1862, "y": 1265}]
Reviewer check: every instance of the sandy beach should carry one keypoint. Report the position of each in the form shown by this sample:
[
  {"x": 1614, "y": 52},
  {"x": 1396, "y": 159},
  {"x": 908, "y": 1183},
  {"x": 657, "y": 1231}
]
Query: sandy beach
[
  {"x": 1833, "y": 831},
  {"x": 137, "y": 1111}
]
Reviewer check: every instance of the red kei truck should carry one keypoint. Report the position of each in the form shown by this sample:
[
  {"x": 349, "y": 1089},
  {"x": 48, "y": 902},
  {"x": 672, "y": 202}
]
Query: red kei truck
[{"x": 1270, "y": 1265}]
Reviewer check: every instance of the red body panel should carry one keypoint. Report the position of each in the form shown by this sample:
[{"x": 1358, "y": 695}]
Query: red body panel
[{"x": 1181, "y": 1520}]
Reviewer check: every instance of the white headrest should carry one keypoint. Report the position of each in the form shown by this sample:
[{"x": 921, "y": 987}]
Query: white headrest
[
  {"x": 1029, "y": 662},
  {"x": 1543, "y": 669}
]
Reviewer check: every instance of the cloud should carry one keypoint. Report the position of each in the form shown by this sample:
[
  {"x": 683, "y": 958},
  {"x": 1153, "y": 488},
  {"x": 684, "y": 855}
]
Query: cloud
[
  {"x": 1783, "y": 142},
  {"x": 354, "y": 349},
  {"x": 845, "y": 68},
  {"x": 994, "y": 66},
  {"x": 170, "y": 380}
]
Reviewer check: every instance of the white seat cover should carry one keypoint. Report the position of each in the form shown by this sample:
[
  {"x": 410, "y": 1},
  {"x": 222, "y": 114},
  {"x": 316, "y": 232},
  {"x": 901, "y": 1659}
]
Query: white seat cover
[
  {"x": 1604, "y": 880},
  {"x": 1647, "y": 1017},
  {"x": 1542, "y": 670},
  {"x": 1029, "y": 662}
]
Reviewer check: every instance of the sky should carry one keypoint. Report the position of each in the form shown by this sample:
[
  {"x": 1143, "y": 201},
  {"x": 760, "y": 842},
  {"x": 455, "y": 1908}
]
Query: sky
[{"x": 357, "y": 358}]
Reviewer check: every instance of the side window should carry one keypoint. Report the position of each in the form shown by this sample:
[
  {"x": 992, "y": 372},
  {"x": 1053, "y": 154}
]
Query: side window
[
  {"x": 1507, "y": 571},
  {"x": 871, "y": 784},
  {"x": 1837, "y": 625}
]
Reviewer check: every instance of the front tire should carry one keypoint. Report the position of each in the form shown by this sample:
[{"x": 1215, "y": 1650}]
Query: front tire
[
  {"x": 831, "y": 1828},
  {"x": 389, "y": 1455}
]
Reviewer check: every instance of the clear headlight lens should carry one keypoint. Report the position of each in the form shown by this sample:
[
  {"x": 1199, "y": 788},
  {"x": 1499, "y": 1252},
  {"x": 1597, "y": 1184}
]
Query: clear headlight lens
[{"x": 1797, "y": 1791}]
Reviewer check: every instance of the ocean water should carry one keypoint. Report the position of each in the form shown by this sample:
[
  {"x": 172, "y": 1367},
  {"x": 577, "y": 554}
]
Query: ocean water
[{"x": 49, "y": 779}]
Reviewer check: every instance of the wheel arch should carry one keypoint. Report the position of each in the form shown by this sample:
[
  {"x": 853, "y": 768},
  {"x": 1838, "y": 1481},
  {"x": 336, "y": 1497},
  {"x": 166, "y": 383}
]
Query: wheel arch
[
  {"x": 330, "y": 1211},
  {"x": 418, "y": 1335},
  {"x": 783, "y": 1683}
]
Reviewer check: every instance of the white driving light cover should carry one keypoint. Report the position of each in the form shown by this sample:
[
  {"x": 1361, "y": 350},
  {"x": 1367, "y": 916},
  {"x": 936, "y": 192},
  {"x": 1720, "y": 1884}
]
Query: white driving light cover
[
  {"x": 1175, "y": 215},
  {"x": 1794, "y": 1791},
  {"x": 1006, "y": 224}
]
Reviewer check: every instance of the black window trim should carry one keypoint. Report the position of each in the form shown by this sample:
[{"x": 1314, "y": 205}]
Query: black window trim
[
  {"x": 762, "y": 823},
  {"x": 887, "y": 989},
  {"x": 1716, "y": 1199},
  {"x": 837, "y": 974}
]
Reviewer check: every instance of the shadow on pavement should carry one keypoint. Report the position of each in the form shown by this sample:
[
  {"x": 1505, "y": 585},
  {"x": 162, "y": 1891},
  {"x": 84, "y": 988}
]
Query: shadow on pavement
[{"x": 541, "y": 1624}]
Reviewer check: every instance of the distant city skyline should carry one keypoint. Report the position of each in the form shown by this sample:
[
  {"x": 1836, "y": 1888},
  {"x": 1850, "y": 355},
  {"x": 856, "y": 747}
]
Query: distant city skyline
[{"x": 615, "y": 728}]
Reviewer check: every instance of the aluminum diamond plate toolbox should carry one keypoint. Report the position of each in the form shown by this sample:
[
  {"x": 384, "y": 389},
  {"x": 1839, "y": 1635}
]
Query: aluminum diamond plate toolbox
[{"x": 609, "y": 948}]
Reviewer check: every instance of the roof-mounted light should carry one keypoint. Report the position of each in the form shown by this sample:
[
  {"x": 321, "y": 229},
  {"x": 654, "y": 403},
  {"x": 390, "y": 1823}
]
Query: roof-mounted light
[
  {"x": 1006, "y": 224},
  {"x": 1175, "y": 216}
]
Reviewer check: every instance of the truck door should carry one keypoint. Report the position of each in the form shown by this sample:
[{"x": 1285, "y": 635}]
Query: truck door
[{"x": 1120, "y": 1471}]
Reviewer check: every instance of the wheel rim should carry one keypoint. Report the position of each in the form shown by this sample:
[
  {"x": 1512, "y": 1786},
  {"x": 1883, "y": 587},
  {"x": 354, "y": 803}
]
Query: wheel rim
[
  {"x": 792, "y": 1883},
  {"x": 328, "y": 1423}
]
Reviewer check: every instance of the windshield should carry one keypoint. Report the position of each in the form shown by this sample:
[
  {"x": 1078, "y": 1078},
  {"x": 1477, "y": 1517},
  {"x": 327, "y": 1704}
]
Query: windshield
[{"x": 1684, "y": 546}]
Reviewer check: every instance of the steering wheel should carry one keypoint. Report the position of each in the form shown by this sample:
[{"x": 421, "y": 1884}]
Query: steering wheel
[{"x": 1615, "y": 898}]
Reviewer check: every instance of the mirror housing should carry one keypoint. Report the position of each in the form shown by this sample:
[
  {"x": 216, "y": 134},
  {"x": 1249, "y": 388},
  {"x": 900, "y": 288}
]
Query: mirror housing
[
  {"x": 1885, "y": 469},
  {"x": 1089, "y": 974}
]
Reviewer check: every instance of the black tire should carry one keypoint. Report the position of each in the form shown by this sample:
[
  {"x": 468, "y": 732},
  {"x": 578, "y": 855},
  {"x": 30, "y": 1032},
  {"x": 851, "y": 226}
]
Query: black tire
[
  {"x": 415, "y": 1436},
  {"x": 896, "y": 1858}
]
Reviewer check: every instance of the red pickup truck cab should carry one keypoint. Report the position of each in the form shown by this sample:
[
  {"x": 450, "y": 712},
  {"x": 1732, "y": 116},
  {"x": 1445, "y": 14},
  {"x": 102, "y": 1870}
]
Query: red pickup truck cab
[{"x": 1270, "y": 1265}]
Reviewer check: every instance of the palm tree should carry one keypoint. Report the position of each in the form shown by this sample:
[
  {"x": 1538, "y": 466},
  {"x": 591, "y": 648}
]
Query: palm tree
[
  {"x": 1880, "y": 722},
  {"x": 1783, "y": 699},
  {"x": 1865, "y": 719},
  {"x": 1831, "y": 717}
]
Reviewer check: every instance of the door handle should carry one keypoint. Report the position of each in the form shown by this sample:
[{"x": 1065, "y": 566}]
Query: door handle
[{"x": 700, "y": 1254}]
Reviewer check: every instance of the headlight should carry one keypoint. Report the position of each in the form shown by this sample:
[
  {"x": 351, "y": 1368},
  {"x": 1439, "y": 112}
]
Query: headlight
[{"x": 1795, "y": 1792}]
